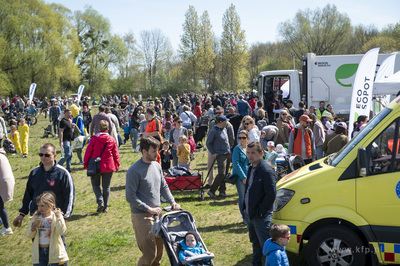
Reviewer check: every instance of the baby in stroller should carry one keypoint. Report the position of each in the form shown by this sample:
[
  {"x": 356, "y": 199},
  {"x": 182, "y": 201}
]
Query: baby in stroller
[
  {"x": 182, "y": 242},
  {"x": 191, "y": 247}
]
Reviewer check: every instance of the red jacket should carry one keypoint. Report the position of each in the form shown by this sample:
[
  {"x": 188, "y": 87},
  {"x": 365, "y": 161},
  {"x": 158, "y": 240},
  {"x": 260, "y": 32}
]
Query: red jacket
[{"x": 110, "y": 157}]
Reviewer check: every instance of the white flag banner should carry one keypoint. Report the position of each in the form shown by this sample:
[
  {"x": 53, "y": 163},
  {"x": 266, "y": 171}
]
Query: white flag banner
[
  {"x": 32, "y": 89},
  {"x": 385, "y": 70},
  {"x": 80, "y": 91},
  {"x": 363, "y": 87}
]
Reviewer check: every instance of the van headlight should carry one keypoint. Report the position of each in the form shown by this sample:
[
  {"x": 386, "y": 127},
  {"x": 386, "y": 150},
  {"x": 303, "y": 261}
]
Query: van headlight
[{"x": 282, "y": 198}]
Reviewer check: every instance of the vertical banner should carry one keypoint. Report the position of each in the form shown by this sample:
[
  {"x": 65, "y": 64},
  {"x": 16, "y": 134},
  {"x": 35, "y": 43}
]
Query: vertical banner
[
  {"x": 385, "y": 70},
  {"x": 32, "y": 89},
  {"x": 80, "y": 91},
  {"x": 363, "y": 87}
]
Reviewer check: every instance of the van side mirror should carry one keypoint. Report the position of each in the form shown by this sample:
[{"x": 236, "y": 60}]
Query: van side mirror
[{"x": 362, "y": 162}]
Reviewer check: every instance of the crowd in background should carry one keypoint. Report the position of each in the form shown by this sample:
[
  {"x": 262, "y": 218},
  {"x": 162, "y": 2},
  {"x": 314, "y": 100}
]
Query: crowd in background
[{"x": 231, "y": 123}]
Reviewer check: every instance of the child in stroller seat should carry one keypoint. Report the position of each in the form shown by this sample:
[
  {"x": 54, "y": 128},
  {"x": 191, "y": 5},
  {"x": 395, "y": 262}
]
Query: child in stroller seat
[{"x": 191, "y": 247}]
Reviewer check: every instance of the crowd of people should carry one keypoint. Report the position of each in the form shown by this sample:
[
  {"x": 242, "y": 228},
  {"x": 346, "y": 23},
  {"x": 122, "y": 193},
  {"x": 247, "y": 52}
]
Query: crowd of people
[{"x": 241, "y": 132}]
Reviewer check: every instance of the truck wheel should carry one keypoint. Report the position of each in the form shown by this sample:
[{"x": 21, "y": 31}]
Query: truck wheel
[{"x": 335, "y": 245}]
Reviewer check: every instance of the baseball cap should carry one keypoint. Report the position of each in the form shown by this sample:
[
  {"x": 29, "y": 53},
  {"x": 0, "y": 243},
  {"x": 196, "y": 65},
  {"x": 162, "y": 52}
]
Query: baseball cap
[
  {"x": 305, "y": 118},
  {"x": 222, "y": 118},
  {"x": 271, "y": 143},
  {"x": 342, "y": 124}
]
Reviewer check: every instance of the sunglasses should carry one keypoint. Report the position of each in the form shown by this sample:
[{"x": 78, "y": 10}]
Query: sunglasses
[
  {"x": 219, "y": 113},
  {"x": 47, "y": 155},
  {"x": 249, "y": 123},
  {"x": 242, "y": 137},
  {"x": 283, "y": 114},
  {"x": 179, "y": 122}
]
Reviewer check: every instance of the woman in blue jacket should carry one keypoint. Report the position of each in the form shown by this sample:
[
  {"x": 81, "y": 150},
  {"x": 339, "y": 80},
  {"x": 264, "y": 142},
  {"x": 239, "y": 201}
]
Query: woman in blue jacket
[{"x": 240, "y": 164}]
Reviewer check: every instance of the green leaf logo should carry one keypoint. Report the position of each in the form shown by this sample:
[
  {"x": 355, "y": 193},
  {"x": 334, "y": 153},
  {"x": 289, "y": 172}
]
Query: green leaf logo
[{"x": 344, "y": 72}]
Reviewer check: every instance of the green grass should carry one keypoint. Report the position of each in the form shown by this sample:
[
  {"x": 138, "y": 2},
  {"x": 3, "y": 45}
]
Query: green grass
[{"x": 108, "y": 239}]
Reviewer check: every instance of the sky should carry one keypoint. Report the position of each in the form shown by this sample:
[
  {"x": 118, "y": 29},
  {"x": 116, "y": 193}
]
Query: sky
[{"x": 259, "y": 18}]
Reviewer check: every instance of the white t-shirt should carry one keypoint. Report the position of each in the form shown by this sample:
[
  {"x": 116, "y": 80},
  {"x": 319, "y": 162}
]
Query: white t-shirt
[{"x": 45, "y": 230}]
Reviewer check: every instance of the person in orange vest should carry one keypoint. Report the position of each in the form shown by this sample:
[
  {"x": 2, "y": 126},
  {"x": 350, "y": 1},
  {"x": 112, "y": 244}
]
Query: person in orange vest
[{"x": 301, "y": 140}]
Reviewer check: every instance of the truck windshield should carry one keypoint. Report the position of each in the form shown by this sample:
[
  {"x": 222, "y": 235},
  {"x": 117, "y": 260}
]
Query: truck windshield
[{"x": 334, "y": 159}]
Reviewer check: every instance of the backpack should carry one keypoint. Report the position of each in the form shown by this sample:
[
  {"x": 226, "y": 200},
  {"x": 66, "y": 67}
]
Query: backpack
[
  {"x": 168, "y": 125},
  {"x": 9, "y": 146}
]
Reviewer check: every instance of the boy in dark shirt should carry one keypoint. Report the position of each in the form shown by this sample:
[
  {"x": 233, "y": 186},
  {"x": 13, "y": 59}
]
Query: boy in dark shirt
[{"x": 165, "y": 154}]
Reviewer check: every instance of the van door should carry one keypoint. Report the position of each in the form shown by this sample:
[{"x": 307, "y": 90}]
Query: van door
[{"x": 378, "y": 194}]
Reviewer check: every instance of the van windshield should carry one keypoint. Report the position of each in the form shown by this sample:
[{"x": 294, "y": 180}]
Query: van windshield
[{"x": 334, "y": 159}]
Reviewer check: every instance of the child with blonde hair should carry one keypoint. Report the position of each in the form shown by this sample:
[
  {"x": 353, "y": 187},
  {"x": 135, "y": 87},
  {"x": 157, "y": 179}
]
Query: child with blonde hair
[
  {"x": 14, "y": 137},
  {"x": 183, "y": 152},
  {"x": 192, "y": 144},
  {"x": 24, "y": 134},
  {"x": 46, "y": 227}
]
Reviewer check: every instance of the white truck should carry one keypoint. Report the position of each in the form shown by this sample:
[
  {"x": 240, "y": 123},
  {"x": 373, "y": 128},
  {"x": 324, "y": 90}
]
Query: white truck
[{"x": 327, "y": 78}]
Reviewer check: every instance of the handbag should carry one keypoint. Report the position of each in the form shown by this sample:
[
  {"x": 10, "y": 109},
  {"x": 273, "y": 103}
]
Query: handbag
[
  {"x": 94, "y": 164},
  {"x": 231, "y": 178}
]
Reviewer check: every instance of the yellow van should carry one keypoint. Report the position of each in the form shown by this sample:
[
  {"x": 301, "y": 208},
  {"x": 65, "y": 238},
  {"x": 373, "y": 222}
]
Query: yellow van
[{"x": 346, "y": 207}]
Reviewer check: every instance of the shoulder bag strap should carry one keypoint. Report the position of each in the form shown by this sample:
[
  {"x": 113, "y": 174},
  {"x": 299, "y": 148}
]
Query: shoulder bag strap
[{"x": 103, "y": 150}]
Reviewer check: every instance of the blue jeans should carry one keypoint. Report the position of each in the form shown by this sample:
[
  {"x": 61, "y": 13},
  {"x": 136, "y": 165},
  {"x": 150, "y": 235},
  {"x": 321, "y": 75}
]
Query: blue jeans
[
  {"x": 135, "y": 136},
  {"x": 44, "y": 257},
  {"x": 101, "y": 198},
  {"x": 167, "y": 134},
  {"x": 174, "y": 157},
  {"x": 241, "y": 190},
  {"x": 4, "y": 214},
  {"x": 188, "y": 127},
  {"x": 319, "y": 152},
  {"x": 55, "y": 126},
  {"x": 258, "y": 234},
  {"x": 67, "y": 155}
]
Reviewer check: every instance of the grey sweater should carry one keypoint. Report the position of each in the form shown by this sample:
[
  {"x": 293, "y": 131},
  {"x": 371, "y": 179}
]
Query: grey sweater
[
  {"x": 144, "y": 185},
  {"x": 218, "y": 141}
]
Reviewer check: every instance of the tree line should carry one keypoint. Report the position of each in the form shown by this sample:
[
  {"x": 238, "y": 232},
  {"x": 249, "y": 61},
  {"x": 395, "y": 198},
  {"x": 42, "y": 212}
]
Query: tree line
[{"x": 59, "y": 49}]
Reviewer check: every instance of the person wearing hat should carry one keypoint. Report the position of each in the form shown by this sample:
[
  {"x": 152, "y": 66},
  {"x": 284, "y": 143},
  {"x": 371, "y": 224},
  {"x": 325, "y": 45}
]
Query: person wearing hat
[
  {"x": 337, "y": 140},
  {"x": 327, "y": 122},
  {"x": 284, "y": 127},
  {"x": 301, "y": 140},
  {"x": 271, "y": 154},
  {"x": 218, "y": 145},
  {"x": 231, "y": 137}
]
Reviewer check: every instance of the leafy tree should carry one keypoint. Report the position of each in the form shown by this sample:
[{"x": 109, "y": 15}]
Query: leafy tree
[
  {"x": 40, "y": 46},
  {"x": 360, "y": 36},
  {"x": 101, "y": 49},
  {"x": 393, "y": 31},
  {"x": 233, "y": 49},
  {"x": 206, "y": 51},
  {"x": 190, "y": 43},
  {"x": 323, "y": 32}
]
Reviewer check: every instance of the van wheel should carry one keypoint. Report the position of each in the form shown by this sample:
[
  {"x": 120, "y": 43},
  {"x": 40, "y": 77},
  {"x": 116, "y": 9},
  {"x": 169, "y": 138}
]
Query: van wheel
[{"x": 335, "y": 245}]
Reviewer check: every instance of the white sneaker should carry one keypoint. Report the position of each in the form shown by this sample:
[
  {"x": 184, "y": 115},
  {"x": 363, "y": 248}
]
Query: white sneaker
[
  {"x": 56, "y": 135},
  {"x": 5, "y": 231}
]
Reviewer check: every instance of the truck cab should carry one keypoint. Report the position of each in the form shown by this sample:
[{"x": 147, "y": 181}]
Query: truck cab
[{"x": 345, "y": 208}]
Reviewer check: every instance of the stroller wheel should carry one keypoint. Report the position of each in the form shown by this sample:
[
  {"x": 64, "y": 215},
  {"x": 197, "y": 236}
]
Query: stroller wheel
[{"x": 201, "y": 194}]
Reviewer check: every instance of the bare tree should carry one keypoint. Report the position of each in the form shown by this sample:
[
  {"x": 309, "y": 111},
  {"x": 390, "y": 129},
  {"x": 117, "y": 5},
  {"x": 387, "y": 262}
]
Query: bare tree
[{"x": 155, "y": 50}]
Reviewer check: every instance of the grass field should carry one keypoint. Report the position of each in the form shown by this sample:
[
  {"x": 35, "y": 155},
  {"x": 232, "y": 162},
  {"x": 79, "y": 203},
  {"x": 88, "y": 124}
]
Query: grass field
[{"x": 108, "y": 238}]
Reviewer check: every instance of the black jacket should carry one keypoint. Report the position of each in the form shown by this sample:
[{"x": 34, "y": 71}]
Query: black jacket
[
  {"x": 58, "y": 180},
  {"x": 262, "y": 192}
]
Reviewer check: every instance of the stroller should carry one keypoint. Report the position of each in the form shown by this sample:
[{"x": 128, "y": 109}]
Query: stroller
[
  {"x": 47, "y": 132},
  {"x": 288, "y": 164},
  {"x": 172, "y": 228}
]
